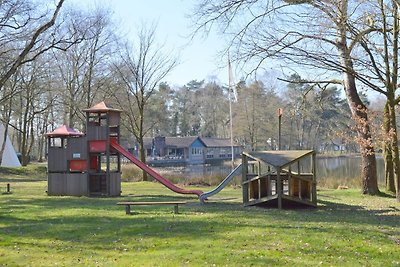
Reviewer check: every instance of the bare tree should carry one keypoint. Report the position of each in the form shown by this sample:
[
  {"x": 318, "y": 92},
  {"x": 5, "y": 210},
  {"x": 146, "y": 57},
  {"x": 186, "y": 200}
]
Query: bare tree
[
  {"x": 84, "y": 68},
  {"x": 140, "y": 70},
  {"x": 22, "y": 35},
  {"x": 28, "y": 29},
  {"x": 31, "y": 103},
  {"x": 382, "y": 49},
  {"x": 319, "y": 35}
]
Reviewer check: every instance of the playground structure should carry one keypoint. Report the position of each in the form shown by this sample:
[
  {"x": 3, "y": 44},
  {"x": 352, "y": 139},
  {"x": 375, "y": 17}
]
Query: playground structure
[
  {"x": 76, "y": 161},
  {"x": 80, "y": 164},
  {"x": 223, "y": 183},
  {"x": 279, "y": 178}
]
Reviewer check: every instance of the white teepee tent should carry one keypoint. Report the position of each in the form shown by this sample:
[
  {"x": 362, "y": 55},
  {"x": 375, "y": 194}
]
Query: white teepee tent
[{"x": 10, "y": 158}]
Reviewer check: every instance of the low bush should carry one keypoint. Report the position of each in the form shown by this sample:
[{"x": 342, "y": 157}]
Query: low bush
[{"x": 131, "y": 173}]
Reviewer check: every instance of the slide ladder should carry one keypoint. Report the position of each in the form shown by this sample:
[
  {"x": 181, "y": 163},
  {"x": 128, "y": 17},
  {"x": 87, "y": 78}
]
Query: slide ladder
[
  {"x": 224, "y": 182},
  {"x": 114, "y": 144}
]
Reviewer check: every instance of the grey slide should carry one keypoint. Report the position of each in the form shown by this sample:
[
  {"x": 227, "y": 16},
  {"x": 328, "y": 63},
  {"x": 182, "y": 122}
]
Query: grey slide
[{"x": 224, "y": 182}]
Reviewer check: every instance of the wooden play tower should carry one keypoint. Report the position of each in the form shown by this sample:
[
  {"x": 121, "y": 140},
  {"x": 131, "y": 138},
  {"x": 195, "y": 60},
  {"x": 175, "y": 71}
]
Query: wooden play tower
[
  {"x": 279, "y": 178},
  {"x": 86, "y": 165}
]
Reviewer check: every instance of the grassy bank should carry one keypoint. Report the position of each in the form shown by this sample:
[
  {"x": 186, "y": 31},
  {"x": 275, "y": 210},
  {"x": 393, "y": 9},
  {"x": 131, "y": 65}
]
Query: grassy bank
[{"x": 346, "y": 229}]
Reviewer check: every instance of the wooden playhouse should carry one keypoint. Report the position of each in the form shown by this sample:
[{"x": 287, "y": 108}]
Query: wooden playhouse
[
  {"x": 279, "y": 178},
  {"x": 85, "y": 165}
]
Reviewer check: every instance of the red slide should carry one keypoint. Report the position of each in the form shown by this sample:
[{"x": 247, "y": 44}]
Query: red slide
[{"x": 151, "y": 172}]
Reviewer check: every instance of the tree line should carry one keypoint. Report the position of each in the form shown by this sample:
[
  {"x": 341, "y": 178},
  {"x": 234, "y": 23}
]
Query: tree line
[
  {"x": 58, "y": 59},
  {"x": 353, "y": 44}
]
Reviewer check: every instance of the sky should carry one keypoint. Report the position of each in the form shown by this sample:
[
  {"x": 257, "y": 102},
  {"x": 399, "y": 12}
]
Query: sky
[{"x": 198, "y": 58}]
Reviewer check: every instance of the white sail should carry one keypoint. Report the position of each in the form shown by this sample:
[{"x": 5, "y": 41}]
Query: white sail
[
  {"x": 10, "y": 158},
  {"x": 232, "y": 86}
]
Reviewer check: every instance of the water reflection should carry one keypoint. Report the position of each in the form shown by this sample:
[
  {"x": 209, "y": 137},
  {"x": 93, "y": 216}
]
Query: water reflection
[
  {"x": 347, "y": 168},
  {"x": 194, "y": 171}
]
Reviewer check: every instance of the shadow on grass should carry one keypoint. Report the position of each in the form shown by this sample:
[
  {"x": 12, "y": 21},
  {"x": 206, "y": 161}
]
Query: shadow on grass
[
  {"x": 95, "y": 220},
  {"x": 387, "y": 195},
  {"x": 326, "y": 212},
  {"x": 22, "y": 179},
  {"x": 101, "y": 221}
]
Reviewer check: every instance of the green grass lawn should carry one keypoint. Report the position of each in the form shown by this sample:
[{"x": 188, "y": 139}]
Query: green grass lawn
[{"x": 347, "y": 229}]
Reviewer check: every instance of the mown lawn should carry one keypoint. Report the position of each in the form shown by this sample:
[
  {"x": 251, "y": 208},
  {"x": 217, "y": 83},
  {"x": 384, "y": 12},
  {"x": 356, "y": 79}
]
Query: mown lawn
[{"x": 347, "y": 229}]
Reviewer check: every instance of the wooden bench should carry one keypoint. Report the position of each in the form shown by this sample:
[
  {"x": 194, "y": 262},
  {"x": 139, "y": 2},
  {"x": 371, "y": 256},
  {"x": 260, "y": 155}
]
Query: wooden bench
[{"x": 129, "y": 204}]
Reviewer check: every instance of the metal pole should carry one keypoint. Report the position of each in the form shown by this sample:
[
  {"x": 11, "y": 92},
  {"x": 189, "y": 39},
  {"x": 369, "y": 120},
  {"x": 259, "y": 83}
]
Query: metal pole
[
  {"x": 230, "y": 109},
  {"x": 280, "y": 111},
  {"x": 231, "y": 127}
]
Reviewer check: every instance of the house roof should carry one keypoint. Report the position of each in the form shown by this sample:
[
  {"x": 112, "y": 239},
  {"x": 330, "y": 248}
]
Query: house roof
[
  {"x": 216, "y": 142},
  {"x": 178, "y": 142},
  {"x": 279, "y": 158},
  {"x": 187, "y": 141},
  {"x": 101, "y": 107},
  {"x": 63, "y": 130}
]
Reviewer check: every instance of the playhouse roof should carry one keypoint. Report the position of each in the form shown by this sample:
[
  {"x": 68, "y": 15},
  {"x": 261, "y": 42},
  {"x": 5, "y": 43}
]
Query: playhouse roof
[
  {"x": 101, "y": 107},
  {"x": 64, "y": 131},
  {"x": 279, "y": 158}
]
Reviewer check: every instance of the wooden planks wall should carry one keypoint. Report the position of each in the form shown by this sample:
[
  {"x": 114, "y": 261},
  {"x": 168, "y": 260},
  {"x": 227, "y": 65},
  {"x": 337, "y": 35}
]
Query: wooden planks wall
[
  {"x": 57, "y": 159},
  {"x": 67, "y": 184}
]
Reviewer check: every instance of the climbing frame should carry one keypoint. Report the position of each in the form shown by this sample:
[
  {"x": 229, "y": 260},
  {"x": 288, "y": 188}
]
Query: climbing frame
[{"x": 279, "y": 178}]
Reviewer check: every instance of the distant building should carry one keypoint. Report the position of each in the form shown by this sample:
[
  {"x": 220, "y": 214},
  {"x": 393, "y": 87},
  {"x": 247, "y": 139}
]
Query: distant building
[{"x": 189, "y": 150}]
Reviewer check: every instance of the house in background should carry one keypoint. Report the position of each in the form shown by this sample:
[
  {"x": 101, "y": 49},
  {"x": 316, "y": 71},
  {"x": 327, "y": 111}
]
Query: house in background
[{"x": 189, "y": 150}]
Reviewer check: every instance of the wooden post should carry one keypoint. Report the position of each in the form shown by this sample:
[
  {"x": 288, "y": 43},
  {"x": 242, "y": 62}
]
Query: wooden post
[
  {"x": 87, "y": 157},
  {"x": 280, "y": 112},
  {"x": 8, "y": 188},
  {"x": 176, "y": 209},
  {"x": 245, "y": 186},
  {"x": 279, "y": 187},
  {"x": 314, "y": 180},
  {"x": 127, "y": 209},
  {"x": 300, "y": 195},
  {"x": 108, "y": 179}
]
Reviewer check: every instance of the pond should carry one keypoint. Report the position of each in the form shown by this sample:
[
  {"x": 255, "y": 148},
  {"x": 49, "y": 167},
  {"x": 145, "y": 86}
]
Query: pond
[{"x": 344, "y": 168}]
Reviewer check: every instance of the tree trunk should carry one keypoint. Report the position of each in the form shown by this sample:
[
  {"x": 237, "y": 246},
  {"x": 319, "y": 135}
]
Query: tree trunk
[
  {"x": 142, "y": 154},
  {"x": 359, "y": 111},
  {"x": 389, "y": 171},
  {"x": 387, "y": 152},
  {"x": 394, "y": 144},
  {"x": 395, "y": 148},
  {"x": 141, "y": 136},
  {"x": 391, "y": 96}
]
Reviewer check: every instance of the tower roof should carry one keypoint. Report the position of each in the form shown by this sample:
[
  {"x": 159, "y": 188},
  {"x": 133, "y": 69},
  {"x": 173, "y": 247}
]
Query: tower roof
[
  {"x": 101, "y": 107},
  {"x": 64, "y": 131}
]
